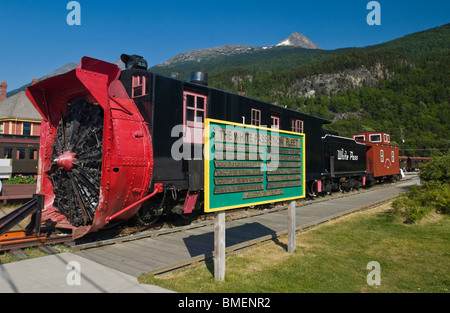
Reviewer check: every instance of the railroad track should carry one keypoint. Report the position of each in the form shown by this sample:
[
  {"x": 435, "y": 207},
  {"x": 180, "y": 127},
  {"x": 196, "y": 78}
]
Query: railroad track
[
  {"x": 133, "y": 232},
  {"x": 26, "y": 241},
  {"x": 207, "y": 219}
]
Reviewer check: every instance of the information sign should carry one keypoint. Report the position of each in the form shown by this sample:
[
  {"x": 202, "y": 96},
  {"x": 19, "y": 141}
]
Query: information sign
[{"x": 249, "y": 165}]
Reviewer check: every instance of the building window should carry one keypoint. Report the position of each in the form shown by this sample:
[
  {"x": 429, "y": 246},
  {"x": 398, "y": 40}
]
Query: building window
[
  {"x": 8, "y": 153},
  {"x": 33, "y": 154},
  {"x": 256, "y": 117},
  {"x": 194, "y": 116},
  {"x": 138, "y": 86},
  {"x": 297, "y": 126},
  {"x": 275, "y": 122},
  {"x": 20, "y": 154},
  {"x": 26, "y": 128},
  {"x": 382, "y": 156}
]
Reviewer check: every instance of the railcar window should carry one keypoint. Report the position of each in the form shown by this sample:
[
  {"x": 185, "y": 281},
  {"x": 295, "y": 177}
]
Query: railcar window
[
  {"x": 194, "y": 116},
  {"x": 360, "y": 138},
  {"x": 275, "y": 122},
  {"x": 2, "y": 128},
  {"x": 375, "y": 138},
  {"x": 139, "y": 86},
  {"x": 297, "y": 126},
  {"x": 256, "y": 117},
  {"x": 392, "y": 156},
  {"x": 382, "y": 156}
]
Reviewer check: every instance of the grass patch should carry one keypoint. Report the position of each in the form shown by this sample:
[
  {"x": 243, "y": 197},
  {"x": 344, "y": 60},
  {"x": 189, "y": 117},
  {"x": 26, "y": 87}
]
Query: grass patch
[
  {"x": 333, "y": 258},
  {"x": 7, "y": 257}
]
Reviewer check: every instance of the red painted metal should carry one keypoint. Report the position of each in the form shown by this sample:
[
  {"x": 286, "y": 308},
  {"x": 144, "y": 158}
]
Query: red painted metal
[
  {"x": 189, "y": 203},
  {"x": 158, "y": 189},
  {"x": 127, "y": 163},
  {"x": 65, "y": 160},
  {"x": 319, "y": 186},
  {"x": 382, "y": 158}
]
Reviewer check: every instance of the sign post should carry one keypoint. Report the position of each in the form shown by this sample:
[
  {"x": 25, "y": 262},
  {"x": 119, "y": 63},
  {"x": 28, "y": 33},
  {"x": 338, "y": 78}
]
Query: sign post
[
  {"x": 249, "y": 165},
  {"x": 219, "y": 245},
  {"x": 291, "y": 227}
]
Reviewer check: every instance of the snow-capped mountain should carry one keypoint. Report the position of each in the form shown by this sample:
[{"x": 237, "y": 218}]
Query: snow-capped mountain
[{"x": 298, "y": 40}]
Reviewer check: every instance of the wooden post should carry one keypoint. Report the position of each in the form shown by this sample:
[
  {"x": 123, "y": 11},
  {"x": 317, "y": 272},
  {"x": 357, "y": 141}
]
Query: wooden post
[
  {"x": 291, "y": 227},
  {"x": 219, "y": 245}
]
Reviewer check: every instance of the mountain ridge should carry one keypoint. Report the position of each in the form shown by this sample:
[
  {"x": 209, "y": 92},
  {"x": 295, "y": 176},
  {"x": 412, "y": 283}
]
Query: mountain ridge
[
  {"x": 198, "y": 55},
  {"x": 284, "y": 57}
]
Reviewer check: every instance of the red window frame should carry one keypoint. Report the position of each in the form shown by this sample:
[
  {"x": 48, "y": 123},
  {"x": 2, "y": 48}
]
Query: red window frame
[
  {"x": 138, "y": 86},
  {"x": 256, "y": 117},
  {"x": 194, "y": 115},
  {"x": 297, "y": 125}
]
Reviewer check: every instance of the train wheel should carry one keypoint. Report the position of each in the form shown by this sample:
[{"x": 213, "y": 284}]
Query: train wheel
[
  {"x": 341, "y": 187},
  {"x": 77, "y": 162},
  {"x": 312, "y": 189},
  {"x": 328, "y": 187},
  {"x": 151, "y": 210},
  {"x": 147, "y": 219}
]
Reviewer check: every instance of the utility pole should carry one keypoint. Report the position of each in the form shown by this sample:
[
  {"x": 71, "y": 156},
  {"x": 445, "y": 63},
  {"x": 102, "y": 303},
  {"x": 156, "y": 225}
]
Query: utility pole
[{"x": 403, "y": 141}]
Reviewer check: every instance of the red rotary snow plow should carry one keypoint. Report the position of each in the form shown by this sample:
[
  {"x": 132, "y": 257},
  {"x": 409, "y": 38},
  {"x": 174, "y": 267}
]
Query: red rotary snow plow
[{"x": 96, "y": 156}]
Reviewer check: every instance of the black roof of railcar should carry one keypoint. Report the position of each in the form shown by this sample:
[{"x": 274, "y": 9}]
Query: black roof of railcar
[{"x": 199, "y": 87}]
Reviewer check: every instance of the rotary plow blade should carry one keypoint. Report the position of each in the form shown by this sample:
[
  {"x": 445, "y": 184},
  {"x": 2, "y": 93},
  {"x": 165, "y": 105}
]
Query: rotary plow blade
[{"x": 96, "y": 157}]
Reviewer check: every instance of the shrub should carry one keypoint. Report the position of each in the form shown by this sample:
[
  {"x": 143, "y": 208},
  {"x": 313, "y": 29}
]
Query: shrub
[
  {"x": 433, "y": 194},
  {"x": 20, "y": 180},
  {"x": 438, "y": 169}
]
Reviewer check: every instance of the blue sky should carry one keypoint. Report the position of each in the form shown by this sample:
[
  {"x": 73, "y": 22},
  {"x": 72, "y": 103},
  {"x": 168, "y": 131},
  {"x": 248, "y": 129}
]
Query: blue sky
[{"x": 36, "y": 39}]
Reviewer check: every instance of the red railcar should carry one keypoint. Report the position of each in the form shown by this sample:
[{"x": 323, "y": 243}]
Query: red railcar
[{"x": 382, "y": 158}]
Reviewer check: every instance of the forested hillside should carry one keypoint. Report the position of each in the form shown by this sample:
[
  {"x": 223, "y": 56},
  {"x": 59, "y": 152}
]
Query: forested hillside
[{"x": 401, "y": 87}]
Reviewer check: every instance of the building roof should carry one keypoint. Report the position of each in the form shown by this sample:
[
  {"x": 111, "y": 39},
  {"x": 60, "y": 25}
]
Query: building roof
[{"x": 18, "y": 106}]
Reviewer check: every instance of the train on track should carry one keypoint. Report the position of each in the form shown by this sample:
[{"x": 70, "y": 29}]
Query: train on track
[{"x": 108, "y": 138}]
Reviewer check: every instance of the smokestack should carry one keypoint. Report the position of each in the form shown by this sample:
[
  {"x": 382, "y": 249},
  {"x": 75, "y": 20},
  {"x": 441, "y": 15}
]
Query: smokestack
[
  {"x": 34, "y": 81},
  {"x": 200, "y": 78},
  {"x": 3, "y": 87}
]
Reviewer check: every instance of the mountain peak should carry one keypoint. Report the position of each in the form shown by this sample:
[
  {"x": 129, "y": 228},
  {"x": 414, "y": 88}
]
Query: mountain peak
[{"x": 298, "y": 40}]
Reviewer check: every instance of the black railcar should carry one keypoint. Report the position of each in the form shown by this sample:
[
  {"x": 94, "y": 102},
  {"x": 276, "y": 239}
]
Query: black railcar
[
  {"x": 166, "y": 102},
  {"x": 344, "y": 162}
]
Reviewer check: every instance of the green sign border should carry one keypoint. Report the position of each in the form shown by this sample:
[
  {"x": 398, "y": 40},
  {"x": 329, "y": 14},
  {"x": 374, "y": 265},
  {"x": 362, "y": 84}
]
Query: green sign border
[{"x": 235, "y": 199}]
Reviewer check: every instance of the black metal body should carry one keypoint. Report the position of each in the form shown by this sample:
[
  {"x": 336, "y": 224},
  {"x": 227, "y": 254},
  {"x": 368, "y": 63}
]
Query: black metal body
[
  {"x": 343, "y": 157},
  {"x": 162, "y": 108},
  {"x": 344, "y": 163}
]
